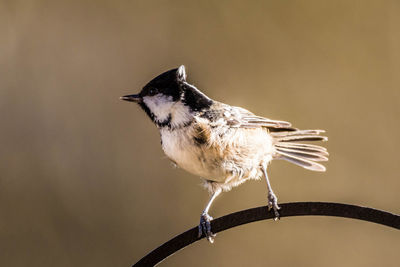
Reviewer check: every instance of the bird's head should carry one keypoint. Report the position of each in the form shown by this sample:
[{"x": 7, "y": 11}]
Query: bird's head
[{"x": 169, "y": 100}]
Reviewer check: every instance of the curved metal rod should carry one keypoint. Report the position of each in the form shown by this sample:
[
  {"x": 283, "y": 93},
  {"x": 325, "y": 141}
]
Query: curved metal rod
[{"x": 262, "y": 213}]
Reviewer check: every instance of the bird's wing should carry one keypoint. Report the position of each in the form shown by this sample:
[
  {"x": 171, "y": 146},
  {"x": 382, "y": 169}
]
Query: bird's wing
[{"x": 242, "y": 118}]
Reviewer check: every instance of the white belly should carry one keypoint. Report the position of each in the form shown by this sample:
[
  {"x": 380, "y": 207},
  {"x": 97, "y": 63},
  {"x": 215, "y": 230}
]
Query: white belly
[{"x": 180, "y": 147}]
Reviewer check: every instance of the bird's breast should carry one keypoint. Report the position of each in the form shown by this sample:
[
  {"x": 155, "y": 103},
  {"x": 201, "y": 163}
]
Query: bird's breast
[
  {"x": 183, "y": 148},
  {"x": 215, "y": 156}
]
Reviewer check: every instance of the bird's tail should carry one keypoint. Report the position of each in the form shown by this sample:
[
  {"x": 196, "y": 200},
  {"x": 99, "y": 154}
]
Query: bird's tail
[{"x": 304, "y": 155}]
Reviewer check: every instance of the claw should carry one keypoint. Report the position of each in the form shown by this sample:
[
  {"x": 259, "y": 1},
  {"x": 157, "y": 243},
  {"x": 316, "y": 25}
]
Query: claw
[
  {"x": 273, "y": 204},
  {"x": 205, "y": 227}
]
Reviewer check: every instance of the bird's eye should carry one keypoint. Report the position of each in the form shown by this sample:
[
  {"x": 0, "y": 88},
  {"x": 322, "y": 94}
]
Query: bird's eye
[{"x": 153, "y": 91}]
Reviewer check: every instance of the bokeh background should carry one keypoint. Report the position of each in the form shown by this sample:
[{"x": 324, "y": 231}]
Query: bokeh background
[{"x": 83, "y": 179}]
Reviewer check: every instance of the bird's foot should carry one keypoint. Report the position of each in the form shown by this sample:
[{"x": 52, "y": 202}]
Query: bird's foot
[
  {"x": 205, "y": 227},
  {"x": 273, "y": 204}
]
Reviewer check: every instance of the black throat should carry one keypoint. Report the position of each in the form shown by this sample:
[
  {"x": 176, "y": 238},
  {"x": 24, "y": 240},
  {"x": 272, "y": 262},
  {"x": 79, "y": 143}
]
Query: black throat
[{"x": 167, "y": 123}]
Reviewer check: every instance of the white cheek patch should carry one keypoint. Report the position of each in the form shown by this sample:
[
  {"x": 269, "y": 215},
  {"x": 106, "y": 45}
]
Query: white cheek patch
[
  {"x": 180, "y": 114},
  {"x": 160, "y": 105},
  {"x": 164, "y": 107}
]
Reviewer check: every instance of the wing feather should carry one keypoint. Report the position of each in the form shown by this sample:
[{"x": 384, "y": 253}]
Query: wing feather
[{"x": 242, "y": 118}]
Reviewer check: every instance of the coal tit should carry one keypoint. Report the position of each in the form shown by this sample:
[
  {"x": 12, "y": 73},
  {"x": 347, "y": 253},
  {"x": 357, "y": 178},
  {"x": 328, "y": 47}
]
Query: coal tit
[{"x": 225, "y": 145}]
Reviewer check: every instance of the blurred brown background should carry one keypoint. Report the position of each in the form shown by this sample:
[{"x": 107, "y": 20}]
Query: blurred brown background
[{"x": 83, "y": 180}]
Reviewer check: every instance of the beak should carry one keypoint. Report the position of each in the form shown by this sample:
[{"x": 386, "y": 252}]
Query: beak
[{"x": 131, "y": 98}]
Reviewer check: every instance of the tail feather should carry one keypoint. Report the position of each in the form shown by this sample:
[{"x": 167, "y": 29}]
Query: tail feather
[
  {"x": 303, "y": 148},
  {"x": 299, "y": 153},
  {"x": 307, "y": 164},
  {"x": 299, "y": 132},
  {"x": 304, "y": 155},
  {"x": 296, "y": 138}
]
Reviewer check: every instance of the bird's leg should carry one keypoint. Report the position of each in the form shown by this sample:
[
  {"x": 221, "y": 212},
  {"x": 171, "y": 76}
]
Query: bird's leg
[
  {"x": 205, "y": 219},
  {"x": 272, "y": 199}
]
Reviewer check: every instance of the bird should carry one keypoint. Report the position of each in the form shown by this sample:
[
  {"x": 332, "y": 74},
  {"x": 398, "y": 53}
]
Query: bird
[{"x": 222, "y": 144}]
